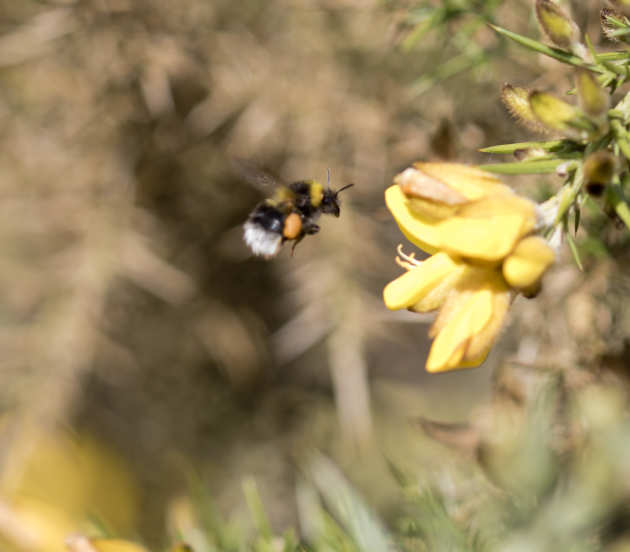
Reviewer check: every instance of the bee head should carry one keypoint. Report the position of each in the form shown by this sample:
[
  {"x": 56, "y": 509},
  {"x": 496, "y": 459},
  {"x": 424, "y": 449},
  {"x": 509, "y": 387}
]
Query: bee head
[{"x": 330, "y": 200}]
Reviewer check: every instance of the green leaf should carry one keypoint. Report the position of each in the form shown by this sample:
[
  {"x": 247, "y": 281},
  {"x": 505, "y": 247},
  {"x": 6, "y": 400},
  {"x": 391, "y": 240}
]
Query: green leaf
[
  {"x": 431, "y": 21},
  {"x": 619, "y": 32},
  {"x": 551, "y": 145},
  {"x": 590, "y": 47},
  {"x": 621, "y": 137},
  {"x": 526, "y": 167},
  {"x": 256, "y": 508},
  {"x": 621, "y": 70},
  {"x": 612, "y": 56},
  {"x": 618, "y": 201},
  {"x": 576, "y": 219},
  {"x": 536, "y": 46},
  {"x": 450, "y": 68},
  {"x": 574, "y": 251},
  {"x": 346, "y": 505}
]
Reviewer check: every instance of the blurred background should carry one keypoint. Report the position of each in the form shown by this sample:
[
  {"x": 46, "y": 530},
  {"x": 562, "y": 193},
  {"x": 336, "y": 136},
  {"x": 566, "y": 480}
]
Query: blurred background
[{"x": 146, "y": 355}]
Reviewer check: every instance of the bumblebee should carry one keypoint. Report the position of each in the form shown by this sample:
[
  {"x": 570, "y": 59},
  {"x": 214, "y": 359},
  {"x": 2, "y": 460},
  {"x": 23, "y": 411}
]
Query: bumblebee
[{"x": 289, "y": 215}]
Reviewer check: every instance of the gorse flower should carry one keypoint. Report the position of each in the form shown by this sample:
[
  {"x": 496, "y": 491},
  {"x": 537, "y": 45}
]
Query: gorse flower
[{"x": 480, "y": 235}]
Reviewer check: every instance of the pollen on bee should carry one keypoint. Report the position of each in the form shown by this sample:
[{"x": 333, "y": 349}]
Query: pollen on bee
[{"x": 292, "y": 226}]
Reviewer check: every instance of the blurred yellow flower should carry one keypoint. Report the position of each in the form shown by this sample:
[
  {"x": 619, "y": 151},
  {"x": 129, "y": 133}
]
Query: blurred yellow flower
[
  {"x": 480, "y": 235},
  {"x": 79, "y": 543}
]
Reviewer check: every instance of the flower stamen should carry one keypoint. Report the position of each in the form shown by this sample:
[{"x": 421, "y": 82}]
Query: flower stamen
[{"x": 408, "y": 262}]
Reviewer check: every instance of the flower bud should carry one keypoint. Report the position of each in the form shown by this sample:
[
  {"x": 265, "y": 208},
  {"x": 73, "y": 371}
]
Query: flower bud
[
  {"x": 608, "y": 17},
  {"x": 556, "y": 24},
  {"x": 553, "y": 112},
  {"x": 524, "y": 267},
  {"x": 516, "y": 100},
  {"x": 599, "y": 169},
  {"x": 594, "y": 99}
]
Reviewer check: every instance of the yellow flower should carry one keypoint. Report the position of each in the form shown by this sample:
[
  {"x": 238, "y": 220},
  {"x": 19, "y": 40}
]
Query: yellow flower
[
  {"x": 480, "y": 235},
  {"x": 79, "y": 543},
  {"x": 458, "y": 209},
  {"x": 472, "y": 300}
]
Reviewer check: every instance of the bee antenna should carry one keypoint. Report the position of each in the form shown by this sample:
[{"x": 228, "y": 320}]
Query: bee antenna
[{"x": 344, "y": 188}]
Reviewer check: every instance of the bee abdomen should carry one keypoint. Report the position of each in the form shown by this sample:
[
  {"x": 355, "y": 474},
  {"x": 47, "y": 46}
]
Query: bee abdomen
[
  {"x": 264, "y": 229},
  {"x": 260, "y": 241},
  {"x": 268, "y": 217}
]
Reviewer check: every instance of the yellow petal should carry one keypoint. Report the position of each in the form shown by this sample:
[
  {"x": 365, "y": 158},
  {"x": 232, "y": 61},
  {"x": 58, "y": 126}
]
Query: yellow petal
[
  {"x": 481, "y": 343},
  {"x": 470, "y": 182},
  {"x": 418, "y": 184},
  {"x": 469, "y": 321},
  {"x": 439, "y": 292},
  {"x": 418, "y": 230},
  {"x": 528, "y": 262},
  {"x": 468, "y": 317},
  {"x": 415, "y": 284},
  {"x": 430, "y": 210},
  {"x": 103, "y": 545},
  {"x": 488, "y": 239},
  {"x": 504, "y": 203},
  {"x": 472, "y": 279},
  {"x": 116, "y": 545},
  {"x": 42, "y": 526}
]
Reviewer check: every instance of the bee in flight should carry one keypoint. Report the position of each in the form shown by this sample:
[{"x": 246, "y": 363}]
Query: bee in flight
[{"x": 289, "y": 214}]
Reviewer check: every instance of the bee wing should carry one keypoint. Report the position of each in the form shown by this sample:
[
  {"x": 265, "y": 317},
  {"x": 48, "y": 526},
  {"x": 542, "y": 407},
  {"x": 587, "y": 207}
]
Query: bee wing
[{"x": 260, "y": 179}]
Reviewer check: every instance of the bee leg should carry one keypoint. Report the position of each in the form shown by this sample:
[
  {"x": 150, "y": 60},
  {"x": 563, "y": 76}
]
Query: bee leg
[
  {"x": 310, "y": 228},
  {"x": 295, "y": 242},
  {"x": 307, "y": 228}
]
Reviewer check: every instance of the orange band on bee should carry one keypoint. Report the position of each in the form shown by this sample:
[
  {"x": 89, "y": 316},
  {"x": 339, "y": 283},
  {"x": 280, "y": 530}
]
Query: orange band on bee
[{"x": 292, "y": 226}]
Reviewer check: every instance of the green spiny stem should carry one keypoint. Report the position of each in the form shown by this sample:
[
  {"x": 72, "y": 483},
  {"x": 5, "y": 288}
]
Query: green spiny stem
[
  {"x": 556, "y": 53},
  {"x": 619, "y": 32},
  {"x": 621, "y": 70},
  {"x": 615, "y": 114},
  {"x": 621, "y": 137},
  {"x": 528, "y": 167},
  {"x": 620, "y": 205},
  {"x": 623, "y": 107},
  {"x": 568, "y": 194},
  {"x": 574, "y": 250},
  {"x": 616, "y": 21},
  {"x": 552, "y": 145}
]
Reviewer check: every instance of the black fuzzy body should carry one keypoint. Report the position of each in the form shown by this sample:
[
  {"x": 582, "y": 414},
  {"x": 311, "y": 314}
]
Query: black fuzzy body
[{"x": 270, "y": 215}]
